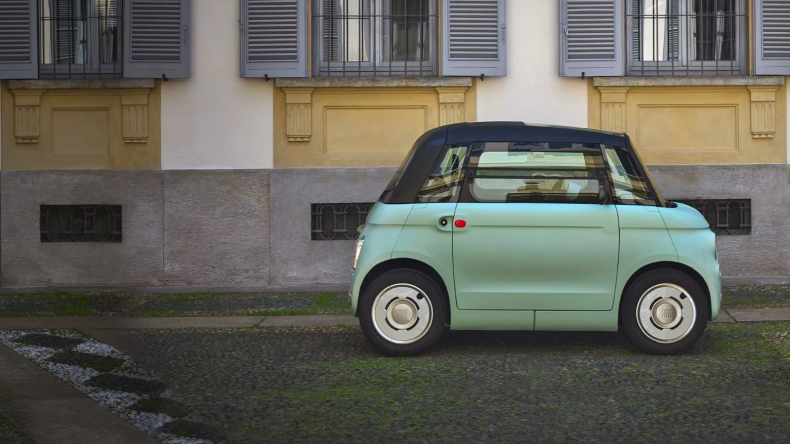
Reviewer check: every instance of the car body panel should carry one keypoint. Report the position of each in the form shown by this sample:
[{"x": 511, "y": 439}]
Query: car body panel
[
  {"x": 492, "y": 320},
  {"x": 576, "y": 320},
  {"x": 484, "y": 257},
  {"x": 535, "y": 256},
  {"x": 424, "y": 239},
  {"x": 696, "y": 247},
  {"x": 381, "y": 231},
  {"x": 644, "y": 240}
]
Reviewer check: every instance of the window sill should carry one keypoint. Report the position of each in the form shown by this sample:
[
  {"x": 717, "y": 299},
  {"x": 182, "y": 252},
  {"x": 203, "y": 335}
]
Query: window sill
[
  {"x": 628, "y": 82},
  {"x": 374, "y": 82},
  {"x": 83, "y": 84}
]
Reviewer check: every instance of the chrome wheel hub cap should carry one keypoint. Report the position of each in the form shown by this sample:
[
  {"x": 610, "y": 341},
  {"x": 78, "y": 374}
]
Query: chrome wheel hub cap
[
  {"x": 402, "y": 314},
  {"x": 666, "y": 313}
]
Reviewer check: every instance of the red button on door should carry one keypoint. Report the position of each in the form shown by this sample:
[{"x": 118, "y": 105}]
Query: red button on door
[{"x": 460, "y": 223}]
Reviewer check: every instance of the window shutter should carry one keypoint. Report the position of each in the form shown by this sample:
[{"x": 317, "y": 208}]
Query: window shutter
[
  {"x": 772, "y": 37},
  {"x": 474, "y": 38},
  {"x": 18, "y": 44},
  {"x": 64, "y": 13},
  {"x": 156, "y": 39},
  {"x": 332, "y": 29},
  {"x": 591, "y": 36},
  {"x": 273, "y": 35}
]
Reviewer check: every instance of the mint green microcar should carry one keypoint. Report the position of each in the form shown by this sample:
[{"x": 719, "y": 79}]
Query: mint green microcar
[{"x": 507, "y": 226}]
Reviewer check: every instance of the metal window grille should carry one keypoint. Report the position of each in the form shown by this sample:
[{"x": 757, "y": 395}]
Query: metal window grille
[
  {"x": 687, "y": 37},
  {"x": 375, "y": 37},
  {"x": 80, "y": 39},
  {"x": 81, "y": 223},
  {"x": 338, "y": 221},
  {"x": 725, "y": 216}
]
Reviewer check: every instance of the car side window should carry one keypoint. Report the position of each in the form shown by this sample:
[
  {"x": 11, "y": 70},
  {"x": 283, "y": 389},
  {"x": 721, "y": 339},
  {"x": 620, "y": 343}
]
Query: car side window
[
  {"x": 444, "y": 181},
  {"x": 630, "y": 188},
  {"x": 535, "y": 172}
]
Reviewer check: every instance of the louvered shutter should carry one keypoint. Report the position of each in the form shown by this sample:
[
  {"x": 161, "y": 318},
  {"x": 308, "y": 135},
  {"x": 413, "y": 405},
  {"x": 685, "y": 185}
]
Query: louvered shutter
[
  {"x": 156, "y": 39},
  {"x": 772, "y": 37},
  {"x": 18, "y": 44},
  {"x": 474, "y": 38},
  {"x": 273, "y": 36},
  {"x": 64, "y": 14},
  {"x": 332, "y": 31},
  {"x": 591, "y": 36}
]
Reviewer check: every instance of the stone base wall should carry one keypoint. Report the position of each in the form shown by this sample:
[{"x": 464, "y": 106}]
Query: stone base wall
[
  {"x": 244, "y": 229},
  {"x": 763, "y": 255}
]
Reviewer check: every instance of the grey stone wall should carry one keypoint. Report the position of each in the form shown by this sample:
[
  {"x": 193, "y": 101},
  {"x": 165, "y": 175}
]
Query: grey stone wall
[
  {"x": 762, "y": 255},
  {"x": 295, "y": 258},
  {"x": 243, "y": 229},
  {"x": 217, "y": 228},
  {"x": 26, "y": 261}
]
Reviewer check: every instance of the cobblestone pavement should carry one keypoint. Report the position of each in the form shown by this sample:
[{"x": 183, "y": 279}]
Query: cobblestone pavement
[{"x": 274, "y": 385}]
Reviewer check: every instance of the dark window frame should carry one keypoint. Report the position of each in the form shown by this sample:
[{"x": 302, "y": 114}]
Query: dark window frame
[
  {"x": 680, "y": 64},
  {"x": 466, "y": 195},
  {"x": 92, "y": 65},
  {"x": 374, "y": 22}
]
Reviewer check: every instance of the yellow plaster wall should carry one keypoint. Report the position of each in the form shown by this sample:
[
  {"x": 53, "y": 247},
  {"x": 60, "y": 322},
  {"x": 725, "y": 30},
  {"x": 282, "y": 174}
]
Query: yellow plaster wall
[
  {"x": 83, "y": 129},
  {"x": 697, "y": 125},
  {"x": 361, "y": 127}
]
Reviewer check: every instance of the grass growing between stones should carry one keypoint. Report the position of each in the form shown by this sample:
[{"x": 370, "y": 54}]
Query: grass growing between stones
[
  {"x": 757, "y": 296},
  {"x": 189, "y": 304}
]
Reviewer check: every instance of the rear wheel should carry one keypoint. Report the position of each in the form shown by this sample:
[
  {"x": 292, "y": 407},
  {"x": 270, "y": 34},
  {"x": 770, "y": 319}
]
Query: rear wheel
[
  {"x": 403, "y": 312},
  {"x": 665, "y": 311}
]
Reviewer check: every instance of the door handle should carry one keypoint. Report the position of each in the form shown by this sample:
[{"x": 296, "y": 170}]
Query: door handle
[{"x": 445, "y": 223}]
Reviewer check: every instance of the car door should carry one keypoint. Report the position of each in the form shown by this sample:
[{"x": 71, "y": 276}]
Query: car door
[
  {"x": 428, "y": 231},
  {"x": 533, "y": 235}
]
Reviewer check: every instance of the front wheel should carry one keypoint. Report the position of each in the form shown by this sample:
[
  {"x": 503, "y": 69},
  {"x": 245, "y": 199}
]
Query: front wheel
[
  {"x": 403, "y": 312},
  {"x": 665, "y": 311}
]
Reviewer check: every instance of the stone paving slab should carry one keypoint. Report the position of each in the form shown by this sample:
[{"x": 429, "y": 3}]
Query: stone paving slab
[
  {"x": 760, "y": 315},
  {"x": 52, "y": 412},
  {"x": 309, "y": 321},
  {"x": 724, "y": 317},
  {"x": 99, "y": 322}
]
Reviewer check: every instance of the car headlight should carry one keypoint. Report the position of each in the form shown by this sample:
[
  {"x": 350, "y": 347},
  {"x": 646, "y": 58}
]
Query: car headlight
[{"x": 357, "y": 250}]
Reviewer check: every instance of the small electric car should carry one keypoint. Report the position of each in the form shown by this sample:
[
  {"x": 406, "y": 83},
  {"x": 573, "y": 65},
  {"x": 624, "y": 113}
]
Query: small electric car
[{"x": 507, "y": 226}]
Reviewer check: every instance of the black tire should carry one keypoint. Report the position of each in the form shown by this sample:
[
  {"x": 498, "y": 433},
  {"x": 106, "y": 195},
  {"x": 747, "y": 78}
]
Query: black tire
[
  {"x": 429, "y": 289},
  {"x": 649, "y": 280}
]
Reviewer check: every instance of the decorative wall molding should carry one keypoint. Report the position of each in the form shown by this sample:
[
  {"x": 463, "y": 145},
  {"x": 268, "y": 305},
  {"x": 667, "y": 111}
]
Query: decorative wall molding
[
  {"x": 135, "y": 117},
  {"x": 763, "y": 111},
  {"x": 27, "y": 115},
  {"x": 451, "y": 105},
  {"x": 299, "y": 114},
  {"x": 613, "y": 109}
]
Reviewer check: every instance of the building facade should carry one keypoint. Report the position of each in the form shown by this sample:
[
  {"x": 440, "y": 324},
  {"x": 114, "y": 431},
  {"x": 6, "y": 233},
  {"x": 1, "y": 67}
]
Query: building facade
[{"x": 238, "y": 144}]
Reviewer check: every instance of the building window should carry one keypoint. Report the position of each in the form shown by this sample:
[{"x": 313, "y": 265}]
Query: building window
[
  {"x": 79, "y": 38},
  {"x": 338, "y": 221},
  {"x": 375, "y": 37},
  {"x": 687, "y": 37},
  {"x": 81, "y": 223},
  {"x": 725, "y": 216}
]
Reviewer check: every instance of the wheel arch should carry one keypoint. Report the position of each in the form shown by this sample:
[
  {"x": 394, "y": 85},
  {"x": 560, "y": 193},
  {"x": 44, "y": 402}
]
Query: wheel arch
[
  {"x": 414, "y": 264},
  {"x": 672, "y": 265}
]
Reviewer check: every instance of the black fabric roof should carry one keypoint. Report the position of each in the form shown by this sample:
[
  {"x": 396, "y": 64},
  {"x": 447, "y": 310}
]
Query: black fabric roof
[{"x": 521, "y": 132}]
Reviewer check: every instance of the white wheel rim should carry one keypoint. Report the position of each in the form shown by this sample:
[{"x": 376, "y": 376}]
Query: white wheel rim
[
  {"x": 666, "y": 313},
  {"x": 402, "y": 314}
]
